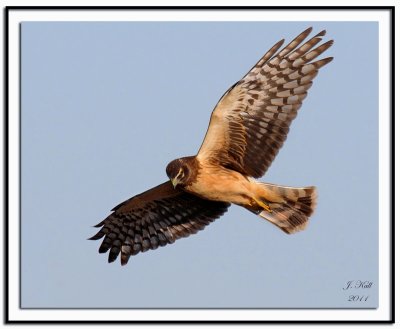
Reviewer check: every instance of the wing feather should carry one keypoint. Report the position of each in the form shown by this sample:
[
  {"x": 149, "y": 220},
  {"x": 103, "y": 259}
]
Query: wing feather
[
  {"x": 154, "y": 219},
  {"x": 251, "y": 121}
]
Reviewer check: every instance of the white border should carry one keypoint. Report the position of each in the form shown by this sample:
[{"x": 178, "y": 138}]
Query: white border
[{"x": 382, "y": 313}]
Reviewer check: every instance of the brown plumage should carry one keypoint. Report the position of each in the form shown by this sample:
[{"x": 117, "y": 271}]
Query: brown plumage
[
  {"x": 155, "y": 218},
  {"x": 247, "y": 128}
]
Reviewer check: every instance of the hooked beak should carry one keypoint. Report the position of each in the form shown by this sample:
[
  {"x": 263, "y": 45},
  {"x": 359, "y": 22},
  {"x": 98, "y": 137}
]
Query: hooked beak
[{"x": 174, "y": 182}]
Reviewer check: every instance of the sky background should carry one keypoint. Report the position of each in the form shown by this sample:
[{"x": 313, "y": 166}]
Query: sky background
[{"x": 106, "y": 106}]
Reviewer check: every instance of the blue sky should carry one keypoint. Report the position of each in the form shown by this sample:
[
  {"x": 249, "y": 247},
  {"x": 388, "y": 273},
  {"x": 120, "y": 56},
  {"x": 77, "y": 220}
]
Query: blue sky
[{"x": 106, "y": 106}]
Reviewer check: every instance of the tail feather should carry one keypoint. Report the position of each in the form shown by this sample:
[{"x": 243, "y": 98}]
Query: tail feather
[{"x": 292, "y": 211}]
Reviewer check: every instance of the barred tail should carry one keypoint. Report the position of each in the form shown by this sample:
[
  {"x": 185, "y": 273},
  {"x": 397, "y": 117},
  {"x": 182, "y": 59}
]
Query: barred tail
[{"x": 292, "y": 212}]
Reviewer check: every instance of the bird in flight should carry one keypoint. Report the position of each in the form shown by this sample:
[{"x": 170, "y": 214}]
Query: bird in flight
[{"x": 247, "y": 128}]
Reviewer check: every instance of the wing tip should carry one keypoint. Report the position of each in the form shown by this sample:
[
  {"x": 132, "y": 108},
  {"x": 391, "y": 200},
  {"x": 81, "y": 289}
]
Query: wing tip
[
  {"x": 327, "y": 60},
  {"x": 280, "y": 43},
  {"x": 103, "y": 248},
  {"x": 329, "y": 43},
  {"x": 307, "y": 31},
  {"x": 99, "y": 224},
  {"x": 112, "y": 256},
  {"x": 303, "y": 34},
  {"x": 97, "y": 236},
  {"x": 125, "y": 258}
]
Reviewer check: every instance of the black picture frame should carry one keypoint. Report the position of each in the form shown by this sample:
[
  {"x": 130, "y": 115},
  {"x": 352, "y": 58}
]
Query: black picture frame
[{"x": 6, "y": 12}]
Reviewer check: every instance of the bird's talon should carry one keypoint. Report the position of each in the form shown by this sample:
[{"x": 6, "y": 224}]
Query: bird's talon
[{"x": 264, "y": 206}]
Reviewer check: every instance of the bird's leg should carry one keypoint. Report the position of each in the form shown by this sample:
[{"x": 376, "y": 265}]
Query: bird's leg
[{"x": 262, "y": 204}]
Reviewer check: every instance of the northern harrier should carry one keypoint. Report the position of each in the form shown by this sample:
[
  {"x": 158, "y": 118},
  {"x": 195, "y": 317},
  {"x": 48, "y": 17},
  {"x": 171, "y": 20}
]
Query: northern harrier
[{"x": 247, "y": 128}]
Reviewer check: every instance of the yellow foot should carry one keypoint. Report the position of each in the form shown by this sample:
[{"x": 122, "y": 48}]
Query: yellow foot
[{"x": 263, "y": 205}]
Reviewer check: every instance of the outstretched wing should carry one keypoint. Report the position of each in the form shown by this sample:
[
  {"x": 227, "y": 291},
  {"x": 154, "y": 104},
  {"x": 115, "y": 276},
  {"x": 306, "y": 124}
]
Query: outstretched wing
[
  {"x": 155, "y": 218},
  {"x": 251, "y": 121}
]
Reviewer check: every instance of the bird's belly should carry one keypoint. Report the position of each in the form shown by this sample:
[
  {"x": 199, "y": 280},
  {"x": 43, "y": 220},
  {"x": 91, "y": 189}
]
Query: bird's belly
[{"x": 228, "y": 186}]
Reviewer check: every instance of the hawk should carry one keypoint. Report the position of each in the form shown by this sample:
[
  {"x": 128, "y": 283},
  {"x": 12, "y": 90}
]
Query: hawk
[{"x": 247, "y": 128}]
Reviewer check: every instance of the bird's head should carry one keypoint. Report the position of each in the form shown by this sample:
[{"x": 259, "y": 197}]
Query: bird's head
[{"x": 179, "y": 172}]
